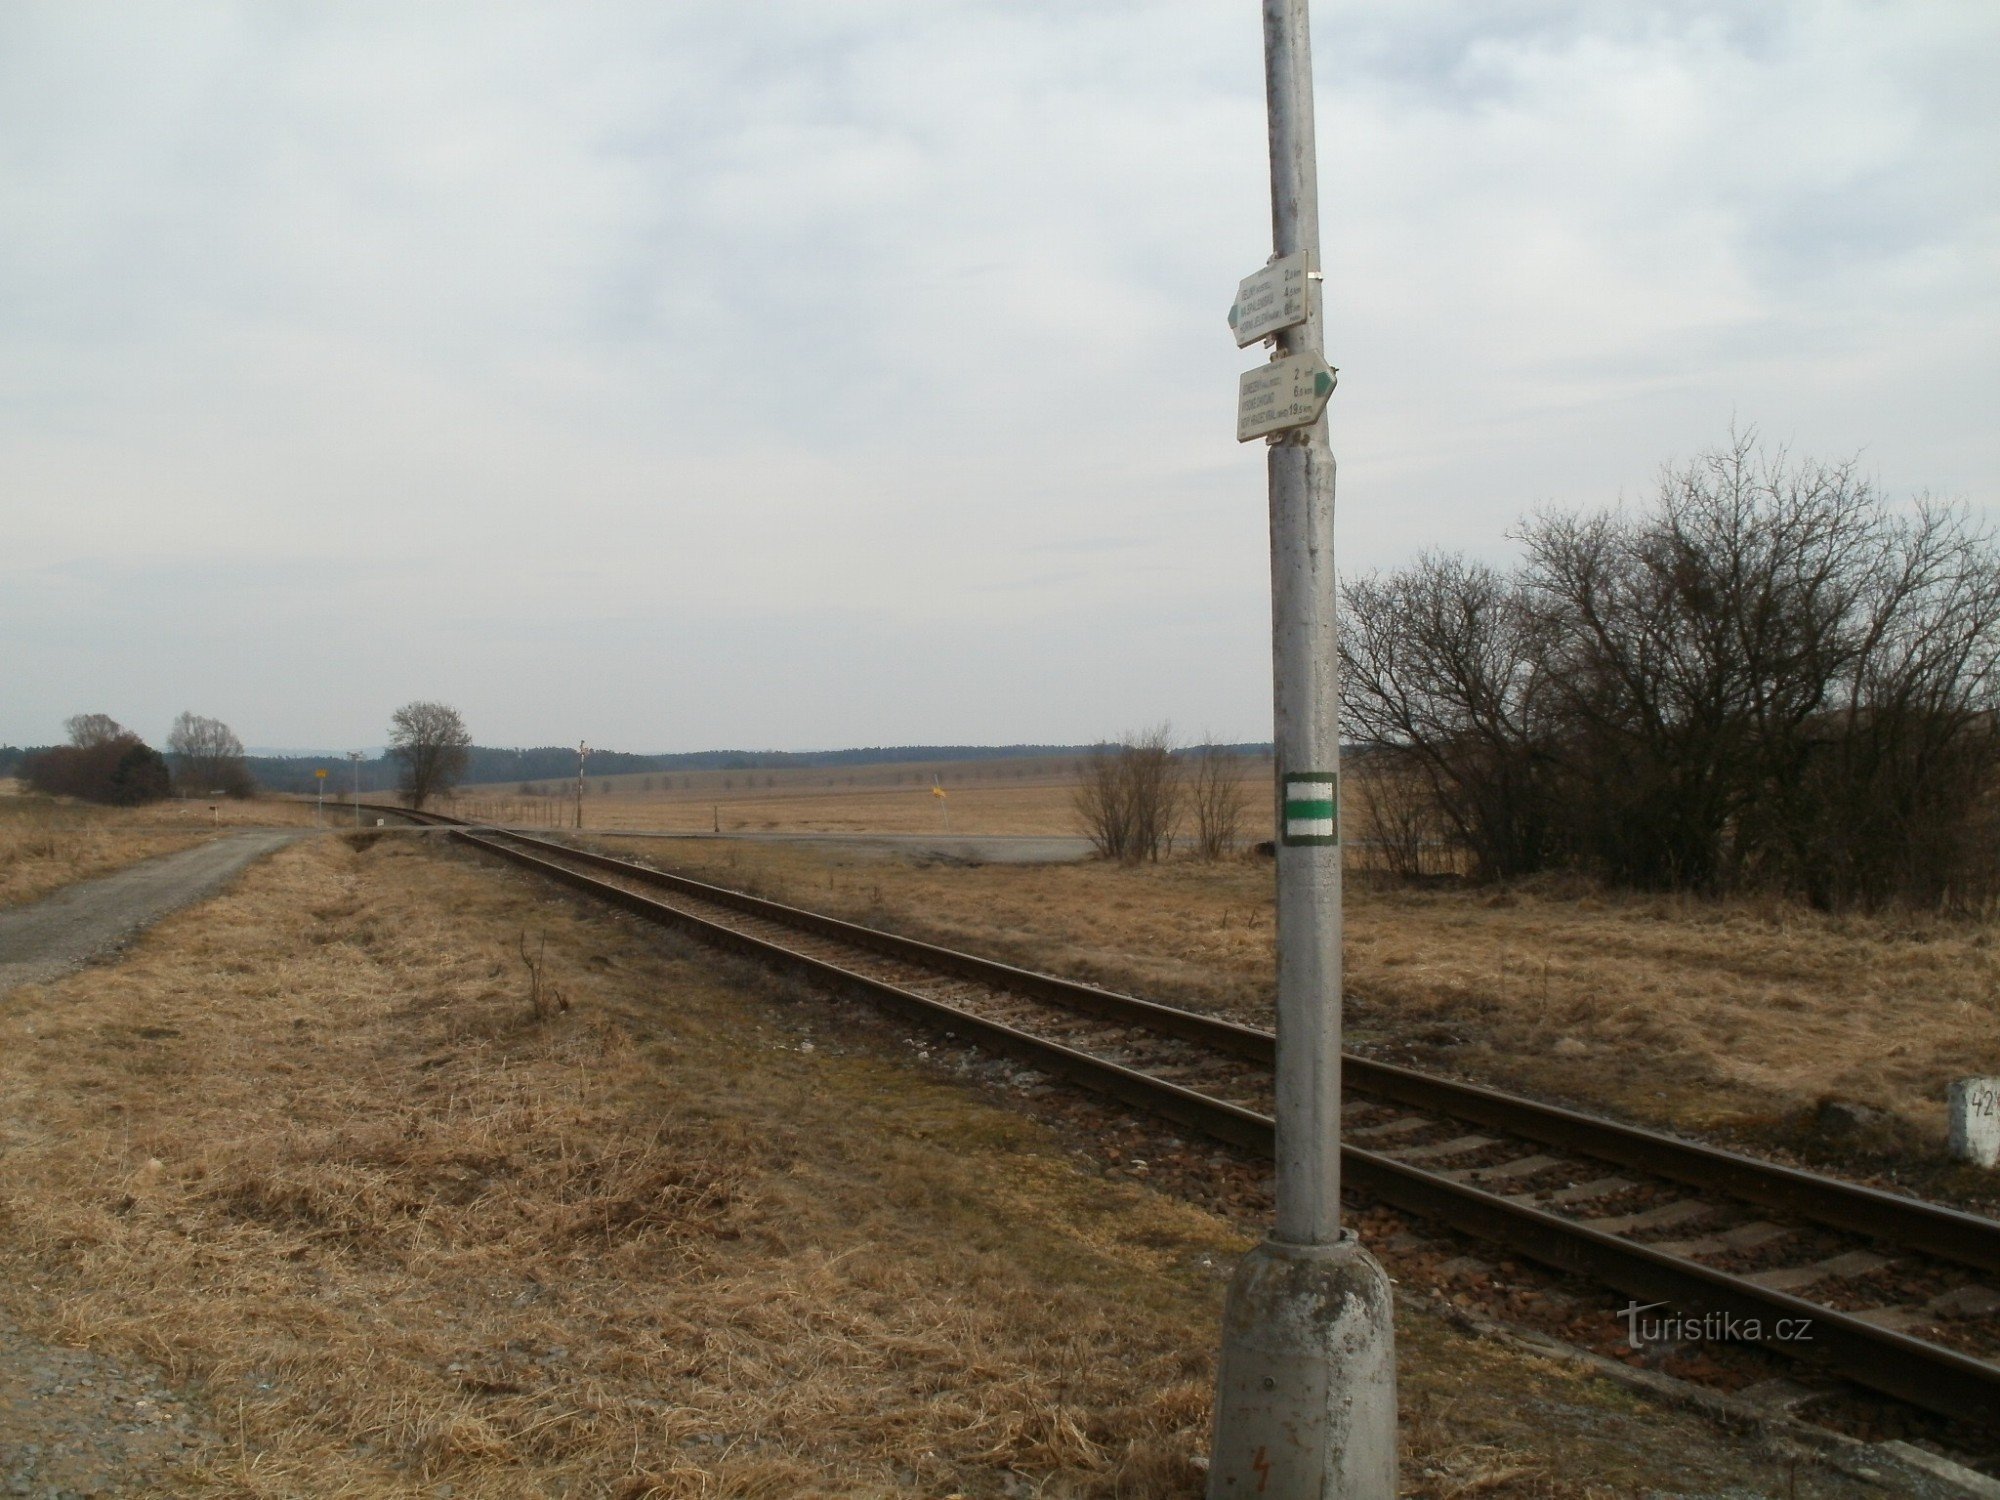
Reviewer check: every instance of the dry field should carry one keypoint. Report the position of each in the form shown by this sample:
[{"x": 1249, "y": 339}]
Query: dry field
[
  {"x": 46, "y": 843},
  {"x": 991, "y": 797},
  {"x": 692, "y": 1235},
  {"x": 1734, "y": 1018}
]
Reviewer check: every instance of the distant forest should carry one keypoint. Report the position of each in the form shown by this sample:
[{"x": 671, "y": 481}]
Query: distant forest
[{"x": 294, "y": 773}]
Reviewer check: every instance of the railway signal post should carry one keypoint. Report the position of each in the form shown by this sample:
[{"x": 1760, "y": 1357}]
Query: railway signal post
[{"x": 1305, "y": 1402}]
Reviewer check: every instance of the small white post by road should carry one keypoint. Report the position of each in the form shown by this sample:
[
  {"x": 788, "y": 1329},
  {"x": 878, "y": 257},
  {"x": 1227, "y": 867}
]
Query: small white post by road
[
  {"x": 1305, "y": 1401},
  {"x": 1975, "y": 1121}
]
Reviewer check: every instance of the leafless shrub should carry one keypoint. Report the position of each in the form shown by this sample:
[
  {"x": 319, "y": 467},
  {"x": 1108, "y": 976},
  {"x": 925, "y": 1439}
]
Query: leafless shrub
[
  {"x": 1768, "y": 679},
  {"x": 1441, "y": 665},
  {"x": 1128, "y": 797},
  {"x": 1408, "y": 835},
  {"x": 1216, "y": 797},
  {"x": 544, "y": 999}
]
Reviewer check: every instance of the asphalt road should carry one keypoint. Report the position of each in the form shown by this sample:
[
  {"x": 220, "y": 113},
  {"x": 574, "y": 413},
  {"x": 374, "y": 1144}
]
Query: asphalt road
[{"x": 46, "y": 939}]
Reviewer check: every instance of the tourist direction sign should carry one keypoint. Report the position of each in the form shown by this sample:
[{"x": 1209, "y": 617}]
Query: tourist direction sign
[
  {"x": 1286, "y": 393},
  {"x": 1272, "y": 298}
]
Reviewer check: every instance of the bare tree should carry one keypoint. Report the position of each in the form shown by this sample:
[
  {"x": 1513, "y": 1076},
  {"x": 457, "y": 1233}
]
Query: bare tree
[
  {"x": 430, "y": 741},
  {"x": 1099, "y": 803},
  {"x": 89, "y": 730},
  {"x": 1441, "y": 672},
  {"x": 1767, "y": 678},
  {"x": 1128, "y": 796},
  {"x": 1407, "y": 833},
  {"x": 1216, "y": 797},
  {"x": 207, "y": 757}
]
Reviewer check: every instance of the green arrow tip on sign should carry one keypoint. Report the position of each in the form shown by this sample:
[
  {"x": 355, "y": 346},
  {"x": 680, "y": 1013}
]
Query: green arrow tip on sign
[
  {"x": 1323, "y": 383},
  {"x": 1232, "y": 315}
]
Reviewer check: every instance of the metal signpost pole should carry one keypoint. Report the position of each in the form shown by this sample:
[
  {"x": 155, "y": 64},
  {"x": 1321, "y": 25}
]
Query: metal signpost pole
[
  {"x": 1306, "y": 1394},
  {"x": 355, "y": 757}
]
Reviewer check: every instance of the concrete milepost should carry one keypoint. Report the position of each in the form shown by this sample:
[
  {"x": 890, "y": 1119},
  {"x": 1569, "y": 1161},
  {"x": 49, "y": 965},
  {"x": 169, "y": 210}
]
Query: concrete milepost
[{"x": 1305, "y": 1401}]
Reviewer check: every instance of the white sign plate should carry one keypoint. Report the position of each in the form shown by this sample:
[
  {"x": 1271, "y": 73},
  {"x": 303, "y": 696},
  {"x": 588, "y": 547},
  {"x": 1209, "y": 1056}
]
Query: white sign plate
[
  {"x": 1286, "y": 393},
  {"x": 1273, "y": 298}
]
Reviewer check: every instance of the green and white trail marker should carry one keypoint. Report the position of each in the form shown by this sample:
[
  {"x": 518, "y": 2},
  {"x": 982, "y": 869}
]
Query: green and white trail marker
[{"x": 1312, "y": 807}]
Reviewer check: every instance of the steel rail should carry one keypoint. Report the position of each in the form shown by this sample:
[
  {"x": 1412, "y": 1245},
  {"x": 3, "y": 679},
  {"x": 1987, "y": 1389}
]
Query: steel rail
[
  {"x": 1928, "y": 1375},
  {"x": 1948, "y": 1233}
]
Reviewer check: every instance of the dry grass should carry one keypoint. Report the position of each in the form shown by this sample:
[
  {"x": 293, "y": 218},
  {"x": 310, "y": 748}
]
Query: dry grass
[
  {"x": 1734, "y": 1016},
  {"x": 46, "y": 844},
  {"x": 1025, "y": 797},
  {"x": 316, "y": 1154},
  {"x": 306, "y": 1149},
  {"x": 986, "y": 797}
]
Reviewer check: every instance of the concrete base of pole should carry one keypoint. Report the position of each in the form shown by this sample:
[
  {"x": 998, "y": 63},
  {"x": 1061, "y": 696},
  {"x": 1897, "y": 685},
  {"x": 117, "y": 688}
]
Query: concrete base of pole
[{"x": 1305, "y": 1402}]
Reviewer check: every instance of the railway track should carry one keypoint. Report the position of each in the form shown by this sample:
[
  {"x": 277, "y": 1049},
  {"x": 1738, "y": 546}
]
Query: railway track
[{"x": 1894, "y": 1294}]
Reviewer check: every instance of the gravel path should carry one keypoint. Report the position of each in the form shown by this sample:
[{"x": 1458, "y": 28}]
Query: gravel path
[
  {"x": 48, "y": 938},
  {"x": 75, "y": 1424}
]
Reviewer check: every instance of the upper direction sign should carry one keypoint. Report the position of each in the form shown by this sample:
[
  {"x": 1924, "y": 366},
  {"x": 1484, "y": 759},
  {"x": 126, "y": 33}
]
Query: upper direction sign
[
  {"x": 1273, "y": 298},
  {"x": 1286, "y": 393}
]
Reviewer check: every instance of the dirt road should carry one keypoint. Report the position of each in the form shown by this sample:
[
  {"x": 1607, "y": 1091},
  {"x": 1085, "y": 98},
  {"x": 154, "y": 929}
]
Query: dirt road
[{"x": 48, "y": 938}]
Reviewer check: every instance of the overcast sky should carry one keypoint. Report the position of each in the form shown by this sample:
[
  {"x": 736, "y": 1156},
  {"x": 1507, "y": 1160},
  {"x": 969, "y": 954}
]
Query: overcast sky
[{"x": 790, "y": 375}]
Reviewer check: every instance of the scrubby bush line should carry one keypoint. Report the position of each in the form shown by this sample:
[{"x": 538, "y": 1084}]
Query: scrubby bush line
[{"x": 1768, "y": 678}]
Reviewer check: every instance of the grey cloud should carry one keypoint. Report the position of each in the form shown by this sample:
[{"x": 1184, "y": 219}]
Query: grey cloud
[{"x": 681, "y": 346}]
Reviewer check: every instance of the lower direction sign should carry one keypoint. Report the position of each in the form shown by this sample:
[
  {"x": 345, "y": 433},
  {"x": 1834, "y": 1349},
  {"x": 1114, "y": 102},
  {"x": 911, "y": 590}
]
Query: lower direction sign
[{"x": 1284, "y": 394}]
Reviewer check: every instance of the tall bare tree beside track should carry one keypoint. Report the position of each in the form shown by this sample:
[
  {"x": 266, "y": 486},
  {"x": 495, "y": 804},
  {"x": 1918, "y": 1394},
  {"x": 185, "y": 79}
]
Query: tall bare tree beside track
[
  {"x": 207, "y": 757},
  {"x": 429, "y": 742},
  {"x": 1215, "y": 796}
]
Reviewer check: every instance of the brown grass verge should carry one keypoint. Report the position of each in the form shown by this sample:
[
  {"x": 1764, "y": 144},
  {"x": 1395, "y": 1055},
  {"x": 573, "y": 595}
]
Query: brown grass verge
[
  {"x": 307, "y": 1150},
  {"x": 1727, "y": 1016}
]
